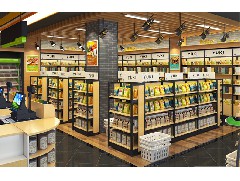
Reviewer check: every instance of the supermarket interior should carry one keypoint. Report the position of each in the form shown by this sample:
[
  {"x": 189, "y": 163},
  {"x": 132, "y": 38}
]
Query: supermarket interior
[{"x": 120, "y": 89}]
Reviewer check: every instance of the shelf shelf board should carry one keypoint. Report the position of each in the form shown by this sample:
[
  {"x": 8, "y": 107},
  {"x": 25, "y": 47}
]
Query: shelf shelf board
[
  {"x": 193, "y": 65},
  {"x": 120, "y": 97},
  {"x": 42, "y": 152},
  {"x": 202, "y": 103},
  {"x": 236, "y": 94},
  {"x": 12, "y": 159},
  {"x": 212, "y": 90},
  {"x": 181, "y": 134},
  {"x": 55, "y": 98},
  {"x": 82, "y": 104},
  {"x": 207, "y": 126},
  {"x": 124, "y": 146},
  {"x": 227, "y": 93},
  {"x": 55, "y": 88},
  {"x": 236, "y": 74},
  {"x": 159, "y": 111},
  {"x": 208, "y": 114},
  {"x": 219, "y": 65},
  {"x": 85, "y": 117},
  {"x": 155, "y": 97},
  {"x": 82, "y": 91},
  {"x": 224, "y": 74},
  {"x": 181, "y": 107},
  {"x": 120, "y": 113},
  {"x": 183, "y": 93},
  {"x": 159, "y": 126},
  {"x": 186, "y": 119},
  {"x": 12, "y": 85},
  {"x": 83, "y": 128},
  {"x": 9, "y": 70},
  {"x": 51, "y": 164},
  {"x": 9, "y": 77},
  {"x": 122, "y": 129},
  {"x": 236, "y": 84}
]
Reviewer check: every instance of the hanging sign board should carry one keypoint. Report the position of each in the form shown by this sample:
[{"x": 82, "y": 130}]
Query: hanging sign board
[
  {"x": 218, "y": 53},
  {"x": 236, "y": 52},
  {"x": 77, "y": 74},
  {"x": 193, "y": 54},
  {"x": 53, "y": 73},
  {"x": 201, "y": 75},
  {"x": 143, "y": 57},
  {"x": 129, "y": 57},
  {"x": 64, "y": 74},
  {"x": 32, "y": 63},
  {"x": 173, "y": 76},
  {"x": 120, "y": 73},
  {"x": 160, "y": 56},
  {"x": 141, "y": 77},
  {"x": 120, "y": 57},
  {"x": 91, "y": 75}
]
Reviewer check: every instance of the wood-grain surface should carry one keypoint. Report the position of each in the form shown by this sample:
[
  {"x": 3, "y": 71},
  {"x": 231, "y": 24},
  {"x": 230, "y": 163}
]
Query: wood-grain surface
[{"x": 100, "y": 141}]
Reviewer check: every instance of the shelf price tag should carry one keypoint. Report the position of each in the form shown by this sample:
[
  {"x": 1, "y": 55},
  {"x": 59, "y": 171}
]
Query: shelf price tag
[
  {"x": 91, "y": 75},
  {"x": 77, "y": 74},
  {"x": 149, "y": 76},
  {"x": 53, "y": 73},
  {"x": 193, "y": 54},
  {"x": 129, "y": 57},
  {"x": 160, "y": 56},
  {"x": 236, "y": 52},
  {"x": 121, "y": 73},
  {"x": 218, "y": 53},
  {"x": 173, "y": 76},
  {"x": 201, "y": 75},
  {"x": 143, "y": 57},
  {"x": 43, "y": 73}
]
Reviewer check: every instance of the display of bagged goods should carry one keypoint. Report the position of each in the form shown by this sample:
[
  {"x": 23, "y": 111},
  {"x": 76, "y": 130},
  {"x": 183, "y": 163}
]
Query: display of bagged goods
[
  {"x": 33, "y": 163},
  {"x": 51, "y": 137},
  {"x": 32, "y": 144},
  {"x": 51, "y": 156},
  {"x": 42, "y": 141},
  {"x": 43, "y": 161}
]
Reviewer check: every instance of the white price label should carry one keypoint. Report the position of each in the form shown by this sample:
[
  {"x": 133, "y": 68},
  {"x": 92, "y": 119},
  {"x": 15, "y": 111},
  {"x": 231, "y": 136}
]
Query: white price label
[
  {"x": 173, "y": 76},
  {"x": 218, "y": 53},
  {"x": 160, "y": 56},
  {"x": 236, "y": 52},
  {"x": 129, "y": 57},
  {"x": 143, "y": 57},
  {"x": 193, "y": 54},
  {"x": 91, "y": 75}
]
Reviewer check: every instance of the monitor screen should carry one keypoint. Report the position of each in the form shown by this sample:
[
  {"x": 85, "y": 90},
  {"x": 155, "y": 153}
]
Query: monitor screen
[
  {"x": 1, "y": 91},
  {"x": 17, "y": 100}
]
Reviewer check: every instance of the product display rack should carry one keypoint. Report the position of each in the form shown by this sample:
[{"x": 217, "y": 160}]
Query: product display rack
[
  {"x": 155, "y": 62},
  {"x": 58, "y": 95},
  {"x": 37, "y": 83},
  {"x": 10, "y": 72},
  {"x": 85, "y": 106},
  {"x": 161, "y": 112},
  {"x": 60, "y": 62}
]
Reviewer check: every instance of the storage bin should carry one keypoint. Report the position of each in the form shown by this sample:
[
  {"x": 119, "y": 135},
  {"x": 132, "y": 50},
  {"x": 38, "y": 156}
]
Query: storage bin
[
  {"x": 32, "y": 144},
  {"x": 43, "y": 161},
  {"x": 42, "y": 141},
  {"x": 231, "y": 159},
  {"x": 51, "y": 156},
  {"x": 51, "y": 137},
  {"x": 33, "y": 163}
]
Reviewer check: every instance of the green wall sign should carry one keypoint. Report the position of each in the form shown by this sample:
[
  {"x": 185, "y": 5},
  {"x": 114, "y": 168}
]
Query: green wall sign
[{"x": 17, "y": 41}]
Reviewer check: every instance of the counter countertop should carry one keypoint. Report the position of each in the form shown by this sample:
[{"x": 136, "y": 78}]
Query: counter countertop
[
  {"x": 9, "y": 130},
  {"x": 5, "y": 112}
]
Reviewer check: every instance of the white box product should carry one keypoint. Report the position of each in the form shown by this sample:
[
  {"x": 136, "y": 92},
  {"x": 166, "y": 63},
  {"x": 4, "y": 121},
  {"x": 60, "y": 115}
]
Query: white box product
[{"x": 32, "y": 145}]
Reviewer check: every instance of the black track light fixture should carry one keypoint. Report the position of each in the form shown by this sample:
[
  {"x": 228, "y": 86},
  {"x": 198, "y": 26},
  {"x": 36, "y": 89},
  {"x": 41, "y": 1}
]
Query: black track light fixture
[
  {"x": 179, "y": 43},
  {"x": 205, "y": 32},
  {"x": 160, "y": 37},
  {"x": 61, "y": 46},
  {"x": 83, "y": 49},
  {"x": 104, "y": 32},
  {"x": 181, "y": 28},
  {"x": 53, "y": 44},
  {"x": 121, "y": 46},
  {"x": 37, "y": 46},
  {"x": 134, "y": 35},
  {"x": 147, "y": 25},
  {"x": 225, "y": 36},
  {"x": 79, "y": 45}
]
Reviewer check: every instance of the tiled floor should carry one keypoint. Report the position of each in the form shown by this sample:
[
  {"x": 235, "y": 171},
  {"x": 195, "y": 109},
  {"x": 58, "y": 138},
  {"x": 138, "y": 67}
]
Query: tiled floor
[{"x": 70, "y": 154}]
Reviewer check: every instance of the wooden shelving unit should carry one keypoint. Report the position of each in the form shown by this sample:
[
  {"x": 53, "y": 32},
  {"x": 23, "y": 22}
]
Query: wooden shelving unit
[
  {"x": 85, "y": 106},
  {"x": 178, "y": 121},
  {"x": 62, "y": 62}
]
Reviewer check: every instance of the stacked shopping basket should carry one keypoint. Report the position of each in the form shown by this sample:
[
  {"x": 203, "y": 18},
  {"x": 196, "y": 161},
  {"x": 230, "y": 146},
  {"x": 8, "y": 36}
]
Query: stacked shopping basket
[{"x": 155, "y": 146}]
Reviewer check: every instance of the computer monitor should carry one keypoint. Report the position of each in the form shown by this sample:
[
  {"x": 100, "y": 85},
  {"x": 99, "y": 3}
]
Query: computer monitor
[
  {"x": 17, "y": 101},
  {"x": 1, "y": 91}
]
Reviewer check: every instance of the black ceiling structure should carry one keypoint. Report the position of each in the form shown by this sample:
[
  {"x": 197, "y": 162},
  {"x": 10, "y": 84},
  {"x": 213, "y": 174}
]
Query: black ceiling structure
[{"x": 230, "y": 15}]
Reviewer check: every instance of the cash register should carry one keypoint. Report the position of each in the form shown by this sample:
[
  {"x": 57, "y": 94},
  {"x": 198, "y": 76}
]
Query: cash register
[
  {"x": 5, "y": 103},
  {"x": 19, "y": 110}
]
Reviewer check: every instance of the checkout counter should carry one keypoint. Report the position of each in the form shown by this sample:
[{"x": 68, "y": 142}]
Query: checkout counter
[{"x": 26, "y": 143}]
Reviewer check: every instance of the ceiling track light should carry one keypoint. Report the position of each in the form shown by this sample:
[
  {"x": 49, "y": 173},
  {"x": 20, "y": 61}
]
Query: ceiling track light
[
  {"x": 104, "y": 32},
  {"x": 61, "y": 46},
  {"x": 179, "y": 43},
  {"x": 134, "y": 35},
  {"x": 225, "y": 36},
  {"x": 205, "y": 32},
  {"x": 160, "y": 37},
  {"x": 181, "y": 28},
  {"x": 147, "y": 25},
  {"x": 37, "y": 46},
  {"x": 52, "y": 43},
  {"x": 121, "y": 46}
]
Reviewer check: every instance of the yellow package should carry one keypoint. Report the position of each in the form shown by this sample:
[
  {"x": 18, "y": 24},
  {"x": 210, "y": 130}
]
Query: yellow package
[
  {"x": 126, "y": 92},
  {"x": 151, "y": 91},
  {"x": 184, "y": 102},
  {"x": 162, "y": 92},
  {"x": 161, "y": 104},
  {"x": 135, "y": 109},
  {"x": 126, "y": 108},
  {"x": 184, "y": 89},
  {"x": 135, "y": 93},
  {"x": 90, "y": 88},
  {"x": 187, "y": 100},
  {"x": 157, "y": 91},
  {"x": 156, "y": 105},
  {"x": 187, "y": 87}
]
